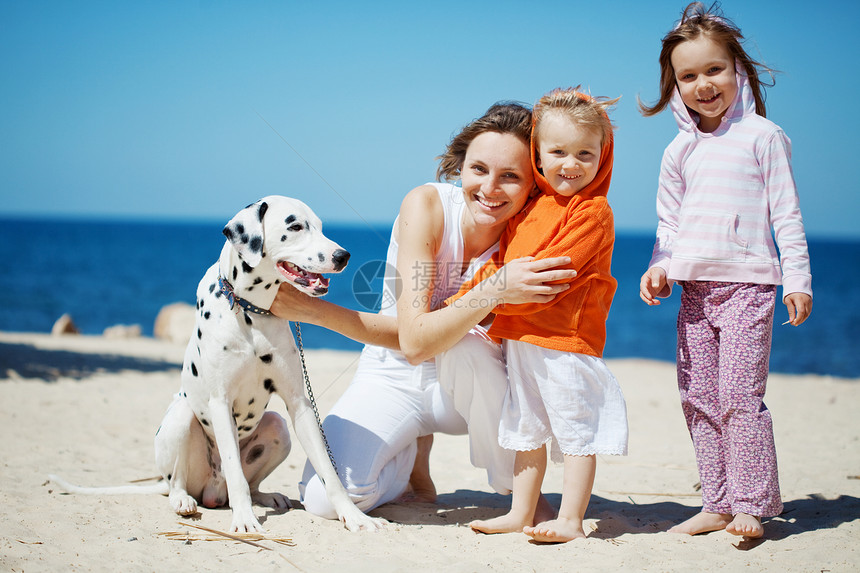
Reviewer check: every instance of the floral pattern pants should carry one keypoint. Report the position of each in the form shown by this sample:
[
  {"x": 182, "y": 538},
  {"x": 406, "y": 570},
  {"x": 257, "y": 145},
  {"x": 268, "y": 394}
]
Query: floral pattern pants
[{"x": 724, "y": 338}]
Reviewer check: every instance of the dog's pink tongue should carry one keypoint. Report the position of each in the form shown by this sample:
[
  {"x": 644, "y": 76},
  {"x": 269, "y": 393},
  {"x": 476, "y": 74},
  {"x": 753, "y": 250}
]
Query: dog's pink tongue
[{"x": 302, "y": 277}]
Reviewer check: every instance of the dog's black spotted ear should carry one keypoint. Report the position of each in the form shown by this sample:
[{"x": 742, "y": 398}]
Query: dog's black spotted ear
[
  {"x": 245, "y": 232},
  {"x": 261, "y": 210}
]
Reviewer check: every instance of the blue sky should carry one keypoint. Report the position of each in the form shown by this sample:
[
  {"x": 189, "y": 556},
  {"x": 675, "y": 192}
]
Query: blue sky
[{"x": 163, "y": 109}]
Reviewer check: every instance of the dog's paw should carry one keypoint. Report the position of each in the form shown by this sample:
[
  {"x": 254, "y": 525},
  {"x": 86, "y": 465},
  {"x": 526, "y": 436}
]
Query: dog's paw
[
  {"x": 274, "y": 500},
  {"x": 182, "y": 503},
  {"x": 244, "y": 521},
  {"x": 358, "y": 521}
]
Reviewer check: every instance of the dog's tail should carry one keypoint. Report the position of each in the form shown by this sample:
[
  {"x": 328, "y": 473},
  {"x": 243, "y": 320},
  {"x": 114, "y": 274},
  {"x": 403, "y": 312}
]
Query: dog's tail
[{"x": 161, "y": 487}]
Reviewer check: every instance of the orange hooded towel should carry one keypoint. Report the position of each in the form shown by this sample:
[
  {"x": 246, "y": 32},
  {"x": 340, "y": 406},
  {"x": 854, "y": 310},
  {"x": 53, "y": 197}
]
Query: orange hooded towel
[{"x": 552, "y": 225}]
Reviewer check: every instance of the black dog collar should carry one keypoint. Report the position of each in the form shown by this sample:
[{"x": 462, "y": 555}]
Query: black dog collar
[{"x": 233, "y": 299}]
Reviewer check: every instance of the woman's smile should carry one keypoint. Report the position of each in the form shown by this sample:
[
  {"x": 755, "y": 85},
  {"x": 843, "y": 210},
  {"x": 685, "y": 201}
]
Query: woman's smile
[{"x": 487, "y": 203}]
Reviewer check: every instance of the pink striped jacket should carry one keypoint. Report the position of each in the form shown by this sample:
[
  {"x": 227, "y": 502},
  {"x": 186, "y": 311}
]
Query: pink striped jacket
[{"x": 727, "y": 199}]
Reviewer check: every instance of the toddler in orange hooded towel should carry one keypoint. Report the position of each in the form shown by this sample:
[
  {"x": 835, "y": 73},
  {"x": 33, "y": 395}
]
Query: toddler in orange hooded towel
[{"x": 559, "y": 389}]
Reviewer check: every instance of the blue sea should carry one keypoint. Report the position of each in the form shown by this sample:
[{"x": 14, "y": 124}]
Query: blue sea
[{"x": 107, "y": 273}]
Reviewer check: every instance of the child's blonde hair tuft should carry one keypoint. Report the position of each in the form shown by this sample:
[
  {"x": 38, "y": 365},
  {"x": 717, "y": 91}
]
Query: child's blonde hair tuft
[{"x": 582, "y": 109}]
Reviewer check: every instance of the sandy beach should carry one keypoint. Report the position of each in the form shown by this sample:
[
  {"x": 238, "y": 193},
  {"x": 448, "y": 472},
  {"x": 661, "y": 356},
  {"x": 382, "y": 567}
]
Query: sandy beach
[{"x": 87, "y": 408}]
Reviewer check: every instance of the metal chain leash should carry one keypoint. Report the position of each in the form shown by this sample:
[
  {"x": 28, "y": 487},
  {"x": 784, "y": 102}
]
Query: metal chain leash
[{"x": 311, "y": 394}]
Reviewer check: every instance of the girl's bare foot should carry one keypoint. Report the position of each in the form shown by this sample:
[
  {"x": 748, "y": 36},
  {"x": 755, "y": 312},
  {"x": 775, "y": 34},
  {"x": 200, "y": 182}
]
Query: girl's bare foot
[
  {"x": 746, "y": 525},
  {"x": 558, "y": 530},
  {"x": 703, "y": 522},
  {"x": 507, "y": 523},
  {"x": 421, "y": 486}
]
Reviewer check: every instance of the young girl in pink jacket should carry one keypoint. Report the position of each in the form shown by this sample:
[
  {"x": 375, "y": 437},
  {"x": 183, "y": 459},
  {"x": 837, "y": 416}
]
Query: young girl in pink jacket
[{"x": 726, "y": 190}]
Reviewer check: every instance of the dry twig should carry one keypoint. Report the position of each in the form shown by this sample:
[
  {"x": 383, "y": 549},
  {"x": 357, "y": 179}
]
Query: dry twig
[
  {"x": 153, "y": 478},
  {"x": 249, "y": 538}
]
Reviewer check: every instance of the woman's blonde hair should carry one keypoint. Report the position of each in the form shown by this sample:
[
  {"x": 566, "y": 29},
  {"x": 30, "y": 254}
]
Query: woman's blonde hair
[{"x": 697, "y": 21}]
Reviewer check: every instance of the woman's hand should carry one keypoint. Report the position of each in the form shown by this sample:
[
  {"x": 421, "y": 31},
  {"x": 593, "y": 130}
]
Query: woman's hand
[
  {"x": 799, "y": 307},
  {"x": 651, "y": 284},
  {"x": 290, "y": 304},
  {"x": 526, "y": 280},
  {"x": 364, "y": 327}
]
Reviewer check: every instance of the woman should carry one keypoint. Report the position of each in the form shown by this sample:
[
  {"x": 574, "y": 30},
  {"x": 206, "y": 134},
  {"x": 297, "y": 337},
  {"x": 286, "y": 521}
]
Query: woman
[{"x": 400, "y": 395}]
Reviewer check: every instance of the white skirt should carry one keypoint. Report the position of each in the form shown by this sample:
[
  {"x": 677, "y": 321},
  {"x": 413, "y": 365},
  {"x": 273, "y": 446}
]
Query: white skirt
[{"x": 570, "y": 399}]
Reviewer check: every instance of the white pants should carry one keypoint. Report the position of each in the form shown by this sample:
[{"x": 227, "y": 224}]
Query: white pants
[{"x": 373, "y": 427}]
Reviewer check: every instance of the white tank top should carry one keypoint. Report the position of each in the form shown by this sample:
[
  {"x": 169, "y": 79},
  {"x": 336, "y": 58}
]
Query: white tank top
[{"x": 446, "y": 275}]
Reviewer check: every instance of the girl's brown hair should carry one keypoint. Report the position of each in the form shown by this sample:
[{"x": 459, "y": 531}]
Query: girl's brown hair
[{"x": 697, "y": 21}]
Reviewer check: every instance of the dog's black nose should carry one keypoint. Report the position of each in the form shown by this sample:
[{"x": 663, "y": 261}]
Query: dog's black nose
[{"x": 340, "y": 257}]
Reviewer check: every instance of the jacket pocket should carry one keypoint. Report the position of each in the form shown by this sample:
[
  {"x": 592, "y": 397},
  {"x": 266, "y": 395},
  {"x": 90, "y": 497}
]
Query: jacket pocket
[{"x": 710, "y": 236}]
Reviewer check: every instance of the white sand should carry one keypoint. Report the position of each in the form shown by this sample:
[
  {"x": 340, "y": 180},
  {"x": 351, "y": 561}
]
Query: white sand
[{"x": 87, "y": 408}]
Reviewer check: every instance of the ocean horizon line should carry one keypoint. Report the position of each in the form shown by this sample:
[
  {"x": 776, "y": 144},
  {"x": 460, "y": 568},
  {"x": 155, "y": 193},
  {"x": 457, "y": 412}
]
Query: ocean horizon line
[{"x": 376, "y": 225}]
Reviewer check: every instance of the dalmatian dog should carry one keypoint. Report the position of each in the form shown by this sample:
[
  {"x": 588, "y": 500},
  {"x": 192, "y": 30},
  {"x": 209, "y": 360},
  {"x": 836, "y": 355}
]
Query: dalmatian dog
[{"x": 217, "y": 442}]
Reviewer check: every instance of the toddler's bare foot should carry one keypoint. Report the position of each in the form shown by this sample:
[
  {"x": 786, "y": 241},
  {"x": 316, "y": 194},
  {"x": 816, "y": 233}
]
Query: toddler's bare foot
[
  {"x": 746, "y": 525},
  {"x": 703, "y": 522},
  {"x": 558, "y": 530},
  {"x": 421, "y": 486},
  {"x": 544, "y": 511},
  {"x": 503, "y": 524}
]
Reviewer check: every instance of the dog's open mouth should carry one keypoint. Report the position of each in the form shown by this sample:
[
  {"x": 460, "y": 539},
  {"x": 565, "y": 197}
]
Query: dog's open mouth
[{"x": 299, "y": 276}]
